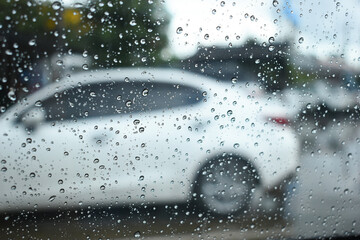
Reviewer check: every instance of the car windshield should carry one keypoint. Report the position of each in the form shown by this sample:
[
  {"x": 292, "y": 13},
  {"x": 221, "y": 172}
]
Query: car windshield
[{"x": 193, "y": 119}]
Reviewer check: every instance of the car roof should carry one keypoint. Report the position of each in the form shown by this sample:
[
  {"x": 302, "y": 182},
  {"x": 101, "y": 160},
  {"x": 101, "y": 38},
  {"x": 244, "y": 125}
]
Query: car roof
[{"x": 174, "y": 76}]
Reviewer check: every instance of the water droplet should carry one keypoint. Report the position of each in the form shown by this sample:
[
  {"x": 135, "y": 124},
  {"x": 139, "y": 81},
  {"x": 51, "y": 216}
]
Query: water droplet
[
  {"x": 60, "y": 181},
  {"x": 133, "y": 23},
  {"x": 52, "y": 198},
  {"x": 236, "y": 145},
  {"x": 234, "y": 80},
  {"x": 145, "y": 92},
  {"x": 56, "y": 5},
  {"x": 137, "y": 234},
  {"x": 136, "y": 121},
  {"x": 66, "y": 153},
  {"x": 141, "y": 178},
  {"x": 275, "y": 3},
  {"x": 128, "y": 103},
  {"x": 11, "y": 95},
  {"x": 8, "y": 52},
  {"x": 206, "y": 36},
  {"x": 96, "y": 160},
  {"x": 179, "y": 30},
  {"x": 32, "y": 42},
  {"x": 271, "y": 48},
  {"x": 229, "y": 113},
  {"x": 38, "y": 103},
  {"x": 32, "y": 175},
  {"x": 78, "y": 5},
  {"x": 301, "y": 40},
  {"x": 85, "y": 67},
  {"x": 271, "y": 40},
  {"x": 59, "y": 62},
  {"x": 126, "y": 79},
  {"x": 257, "y": 61},
  {"x": 102, "y": 187},
  {"x": 222, "y": 3},
  {"x": 3, "y": 169}
]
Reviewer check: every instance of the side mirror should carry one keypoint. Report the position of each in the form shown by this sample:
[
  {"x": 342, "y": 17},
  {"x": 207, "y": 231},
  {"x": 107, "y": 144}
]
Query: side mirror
[{"x": 32, "y": 118}]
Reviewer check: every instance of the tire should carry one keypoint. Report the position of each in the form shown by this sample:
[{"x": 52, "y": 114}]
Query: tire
[{"x": 224, "y": 186}]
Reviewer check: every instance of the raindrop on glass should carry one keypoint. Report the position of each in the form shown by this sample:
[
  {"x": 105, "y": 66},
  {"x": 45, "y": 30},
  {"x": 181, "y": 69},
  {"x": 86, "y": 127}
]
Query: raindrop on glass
[
  {"x": 137, "y": 234},
  {"x": 179, "y": 30},
  {"x": 52, "y": 198},
  {"x": 145, "y": 92},
  {"x": 56, "y": 5}
]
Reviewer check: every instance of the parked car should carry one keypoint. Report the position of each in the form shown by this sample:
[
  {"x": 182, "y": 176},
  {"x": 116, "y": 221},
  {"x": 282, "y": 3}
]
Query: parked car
[{"x": 116, "y": 137}]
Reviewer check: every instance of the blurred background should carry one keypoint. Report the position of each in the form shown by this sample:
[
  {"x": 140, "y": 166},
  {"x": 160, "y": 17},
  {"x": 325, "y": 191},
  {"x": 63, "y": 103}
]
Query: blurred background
[{"x": 304, "y": 54}]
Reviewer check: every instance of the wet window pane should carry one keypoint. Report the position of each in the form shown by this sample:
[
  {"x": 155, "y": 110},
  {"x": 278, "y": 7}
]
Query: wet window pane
[{"x": 190, "y": 119}]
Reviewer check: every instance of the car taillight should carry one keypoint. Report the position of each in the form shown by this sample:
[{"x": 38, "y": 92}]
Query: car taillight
[{"x": 279, "y": 120}]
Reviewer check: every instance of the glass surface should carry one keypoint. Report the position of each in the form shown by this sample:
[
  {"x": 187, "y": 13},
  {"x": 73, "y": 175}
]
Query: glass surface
[{"x": 191, "y": 119}]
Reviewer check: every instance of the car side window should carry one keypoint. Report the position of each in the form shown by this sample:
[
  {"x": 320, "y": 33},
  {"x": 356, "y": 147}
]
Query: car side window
[
  {"x": 164, "y": 96},
  {"x": 114, "y": 98}
]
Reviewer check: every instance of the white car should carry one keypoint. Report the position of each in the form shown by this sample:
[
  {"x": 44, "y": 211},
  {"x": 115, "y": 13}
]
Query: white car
[{"x": 116, "y": 137}]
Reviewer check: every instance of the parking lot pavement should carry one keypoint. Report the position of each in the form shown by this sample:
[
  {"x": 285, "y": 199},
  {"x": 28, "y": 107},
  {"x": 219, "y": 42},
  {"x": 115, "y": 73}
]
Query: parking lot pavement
[{"x": 159, "y": 222}]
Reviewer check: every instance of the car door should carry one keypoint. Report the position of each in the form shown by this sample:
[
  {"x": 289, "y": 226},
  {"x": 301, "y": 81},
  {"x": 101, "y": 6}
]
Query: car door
[
  {"x": 157, "y": 142},
  {"x": 134, "y": 148},
  {"x": 49, "y": 151}
]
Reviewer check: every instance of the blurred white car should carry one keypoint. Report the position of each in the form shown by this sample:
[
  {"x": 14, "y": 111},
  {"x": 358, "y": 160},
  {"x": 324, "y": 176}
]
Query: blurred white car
[{"x": 142, "y": 136}]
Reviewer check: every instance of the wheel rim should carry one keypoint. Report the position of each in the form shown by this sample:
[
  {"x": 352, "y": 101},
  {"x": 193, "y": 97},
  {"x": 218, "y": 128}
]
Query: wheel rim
[{"x": 225, "y": 186}]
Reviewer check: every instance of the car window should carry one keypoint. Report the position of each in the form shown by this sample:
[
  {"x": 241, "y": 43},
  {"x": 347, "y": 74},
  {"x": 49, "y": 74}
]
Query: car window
[{"x": 116, "y": 98}]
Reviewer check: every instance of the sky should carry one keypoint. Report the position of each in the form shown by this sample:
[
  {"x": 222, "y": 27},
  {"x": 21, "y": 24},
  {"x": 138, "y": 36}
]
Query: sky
[{"x": 322, "y": 28}]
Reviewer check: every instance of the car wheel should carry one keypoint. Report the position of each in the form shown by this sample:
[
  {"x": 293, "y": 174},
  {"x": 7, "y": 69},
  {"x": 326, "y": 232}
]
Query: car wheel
[{"x": 224, "y": 186}]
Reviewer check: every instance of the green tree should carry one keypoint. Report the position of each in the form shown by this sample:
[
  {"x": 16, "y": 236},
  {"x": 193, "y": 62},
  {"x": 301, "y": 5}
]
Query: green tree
[
  {"x": 111, "y": 33},
  {"x": 120, "y": 33}
]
